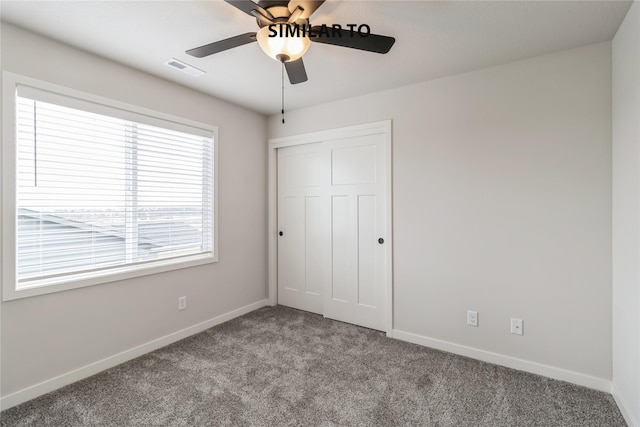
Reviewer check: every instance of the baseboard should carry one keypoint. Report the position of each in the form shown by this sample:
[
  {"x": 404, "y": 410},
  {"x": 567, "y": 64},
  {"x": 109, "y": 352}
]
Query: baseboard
[
  {"x": 508, "y": 361},
  {"x": 624, "y": 407},
  {"x": 86, "y": 371}
]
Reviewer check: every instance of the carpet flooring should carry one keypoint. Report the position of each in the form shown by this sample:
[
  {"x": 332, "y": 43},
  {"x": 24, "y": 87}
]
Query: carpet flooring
[{"x": 283, "y": 367}]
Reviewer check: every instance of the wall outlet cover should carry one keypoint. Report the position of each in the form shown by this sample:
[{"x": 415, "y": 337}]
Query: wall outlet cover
[
  {"x": 517, "y": 326},
  {"x": 472, "y": 318}
]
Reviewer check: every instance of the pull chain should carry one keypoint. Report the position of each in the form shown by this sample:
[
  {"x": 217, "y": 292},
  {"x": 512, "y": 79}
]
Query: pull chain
[{"x": 282, "y": 92}]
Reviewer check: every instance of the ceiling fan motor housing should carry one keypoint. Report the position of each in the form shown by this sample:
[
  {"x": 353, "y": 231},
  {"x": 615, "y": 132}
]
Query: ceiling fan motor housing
[
  {"x": 280, "y": 14},
  {"x": 282, "y": 34}
]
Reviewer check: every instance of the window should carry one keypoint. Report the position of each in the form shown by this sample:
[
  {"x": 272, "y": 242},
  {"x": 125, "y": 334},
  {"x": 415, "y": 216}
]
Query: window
[{"x": 105, "y": 193}]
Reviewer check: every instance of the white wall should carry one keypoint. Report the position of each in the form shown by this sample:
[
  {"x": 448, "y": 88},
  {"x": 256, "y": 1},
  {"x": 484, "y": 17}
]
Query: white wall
[
  {"x": 502, "y": 204},
  {"x": 626, "y": 215},
  {"x": 50, "y": 335}
]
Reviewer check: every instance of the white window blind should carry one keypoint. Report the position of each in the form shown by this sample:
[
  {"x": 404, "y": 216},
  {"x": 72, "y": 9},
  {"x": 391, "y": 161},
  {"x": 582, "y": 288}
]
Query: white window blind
[{"x": 101, "y": 189}]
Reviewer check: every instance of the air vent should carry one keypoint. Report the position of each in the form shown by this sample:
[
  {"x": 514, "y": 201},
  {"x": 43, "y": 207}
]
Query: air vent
[
  {"x": 177, "y": 65},
  {"x": 185, "y": 68}
]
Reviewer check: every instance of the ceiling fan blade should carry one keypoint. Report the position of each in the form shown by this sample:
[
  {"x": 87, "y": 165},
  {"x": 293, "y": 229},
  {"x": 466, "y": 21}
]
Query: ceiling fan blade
[
  {"x": 221, "y": 45},
  {"x": 352, "y": 39},
  {"x": 308, "y": 6},
  {"x": 296, "y": 72},
  {"x": 247, "y": 6}
]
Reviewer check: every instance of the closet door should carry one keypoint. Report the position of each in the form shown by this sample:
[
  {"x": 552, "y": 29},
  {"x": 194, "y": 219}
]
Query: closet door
[
  {"x": 356, "y": 289},
  {"x": 302, "y": 228},
  {"x": 334, "y": 253}
]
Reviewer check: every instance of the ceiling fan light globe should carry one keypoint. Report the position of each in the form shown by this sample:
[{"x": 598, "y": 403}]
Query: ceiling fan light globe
[{"x": 282, "y": 45}]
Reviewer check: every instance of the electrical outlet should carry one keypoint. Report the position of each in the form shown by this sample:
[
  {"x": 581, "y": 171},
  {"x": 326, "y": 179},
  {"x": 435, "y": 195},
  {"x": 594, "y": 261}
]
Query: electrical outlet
[
  {"x": 517, "y": 326},
  {"x": 472, "y": 318},
  {"x": 182, "y": 303}
]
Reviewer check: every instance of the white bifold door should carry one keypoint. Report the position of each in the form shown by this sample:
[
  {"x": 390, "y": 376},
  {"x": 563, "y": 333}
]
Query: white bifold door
[{"x": 334, "y": 252}]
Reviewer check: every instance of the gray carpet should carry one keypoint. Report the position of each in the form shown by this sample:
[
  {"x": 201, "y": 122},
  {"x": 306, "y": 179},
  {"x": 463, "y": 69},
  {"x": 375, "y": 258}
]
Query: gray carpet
[{"x": 282, "y": 367}]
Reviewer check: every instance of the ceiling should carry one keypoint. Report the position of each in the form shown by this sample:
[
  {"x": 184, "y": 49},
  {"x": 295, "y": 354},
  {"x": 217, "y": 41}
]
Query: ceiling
[{"x": 433, "y": 39}]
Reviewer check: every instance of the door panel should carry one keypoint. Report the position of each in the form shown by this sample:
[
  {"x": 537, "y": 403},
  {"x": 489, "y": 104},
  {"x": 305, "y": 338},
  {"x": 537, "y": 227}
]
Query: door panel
[
  {"x": 302, "y": 170},
  {"x": 358, "y": 191},
  {"x": 354, "y": 164},
  {"x": 366, "y": 251},
  {"x": 342, "y": 253},
  {"x": 293, "y": 217},
  {"x": 300, "y": 248},
  {"x": 314, "y": 244}
]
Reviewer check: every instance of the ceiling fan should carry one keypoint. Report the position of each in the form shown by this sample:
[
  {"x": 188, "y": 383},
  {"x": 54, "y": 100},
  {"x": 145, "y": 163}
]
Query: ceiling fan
[{"x": 285, "y": 34}]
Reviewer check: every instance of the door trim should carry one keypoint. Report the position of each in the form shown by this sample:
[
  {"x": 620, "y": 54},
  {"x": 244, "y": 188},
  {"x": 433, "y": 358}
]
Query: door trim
[{"x": 383, "y": 127}]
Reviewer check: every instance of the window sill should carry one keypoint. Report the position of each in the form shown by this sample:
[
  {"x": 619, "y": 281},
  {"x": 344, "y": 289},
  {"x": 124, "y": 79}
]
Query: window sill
[{"x": 92, "y": 278}]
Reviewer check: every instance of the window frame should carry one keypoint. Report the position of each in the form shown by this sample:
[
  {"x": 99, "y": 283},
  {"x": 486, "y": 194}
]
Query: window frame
[{"x": 8, "y": 192}]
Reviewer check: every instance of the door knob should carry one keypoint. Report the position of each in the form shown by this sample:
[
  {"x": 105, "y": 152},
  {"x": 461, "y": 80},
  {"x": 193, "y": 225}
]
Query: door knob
[
  {"x": 280, "y": 233},
  {"x": 381, "y": 240}
]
